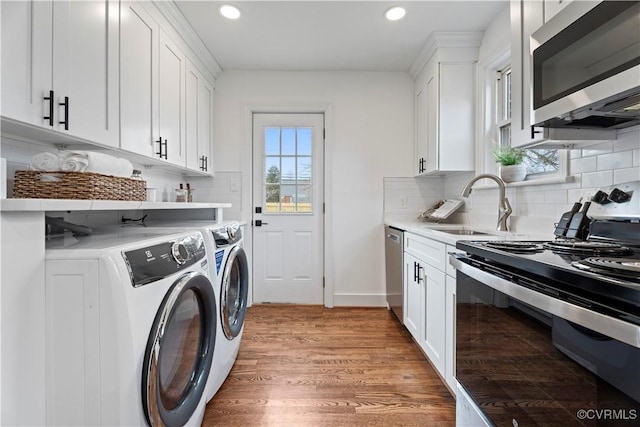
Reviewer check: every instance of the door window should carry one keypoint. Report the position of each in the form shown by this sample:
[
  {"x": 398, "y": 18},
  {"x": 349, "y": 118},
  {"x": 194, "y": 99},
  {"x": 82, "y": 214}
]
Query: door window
[{"x": 288, "y": 170}]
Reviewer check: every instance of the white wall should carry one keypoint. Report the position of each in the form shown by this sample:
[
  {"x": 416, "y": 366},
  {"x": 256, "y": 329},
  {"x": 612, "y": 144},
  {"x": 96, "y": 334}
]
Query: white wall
[{"x": 369, "y": 136}]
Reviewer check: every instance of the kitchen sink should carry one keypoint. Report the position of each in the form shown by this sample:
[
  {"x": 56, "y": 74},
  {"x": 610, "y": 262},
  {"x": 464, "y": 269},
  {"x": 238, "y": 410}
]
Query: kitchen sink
[{"x": 465, "y": 232}]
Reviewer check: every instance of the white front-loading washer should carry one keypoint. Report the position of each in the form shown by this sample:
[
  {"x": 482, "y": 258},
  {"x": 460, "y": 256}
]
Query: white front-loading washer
[
  {"x": 232, "y": 270},
  {"x": 131, "y": 329},
  {"x": 229, "y": 274}
]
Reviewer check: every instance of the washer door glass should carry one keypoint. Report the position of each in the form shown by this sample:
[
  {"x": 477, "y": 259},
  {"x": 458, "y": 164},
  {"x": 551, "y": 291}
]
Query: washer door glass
[
  {"x": 235, "y": 289},
  {"x": 179, "y": 352}
]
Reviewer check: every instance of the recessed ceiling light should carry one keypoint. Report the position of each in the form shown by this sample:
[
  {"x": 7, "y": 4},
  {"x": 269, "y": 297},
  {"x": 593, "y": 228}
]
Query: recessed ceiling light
[
  {"x": 395, "y": 13},
  {"x": 229, "y": 11}
]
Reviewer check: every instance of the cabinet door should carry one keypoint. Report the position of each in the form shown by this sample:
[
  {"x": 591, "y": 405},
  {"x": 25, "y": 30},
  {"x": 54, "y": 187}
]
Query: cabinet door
[
  {"x": 412, "y": 295},
  {"x": 526, "y": 17},
  {"x": 450, "y": 333},
  {"x": 433, "y": 338},
  {"x": 138, "y": 80},
  {"x": 421, "y": 131},
  {"x": 199, "y": 120},
  {"x": 552, "y": 7},
  {"x": 27, "y": 28},
  {"x": 432, "y": 163},
  {"x": 171, "y": 99},
  {"x": 85, "y": 69}
]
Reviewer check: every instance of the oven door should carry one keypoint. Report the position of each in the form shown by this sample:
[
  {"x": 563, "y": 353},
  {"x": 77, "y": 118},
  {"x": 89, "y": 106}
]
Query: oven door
[{"x": 507, "y": 363}]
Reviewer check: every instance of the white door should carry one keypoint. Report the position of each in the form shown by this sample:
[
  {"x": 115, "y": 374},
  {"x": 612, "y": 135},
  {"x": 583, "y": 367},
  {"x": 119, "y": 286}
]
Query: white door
[{"x": 288, "y": 208}]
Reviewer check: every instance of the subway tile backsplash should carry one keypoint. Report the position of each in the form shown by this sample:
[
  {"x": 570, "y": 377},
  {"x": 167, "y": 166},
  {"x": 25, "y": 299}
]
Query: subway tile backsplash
[{"x": 613, "y": 164}]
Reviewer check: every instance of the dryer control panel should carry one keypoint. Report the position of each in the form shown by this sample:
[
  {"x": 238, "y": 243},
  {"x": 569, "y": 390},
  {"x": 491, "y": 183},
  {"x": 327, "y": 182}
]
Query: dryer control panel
[{"x": 152, "y": 263}]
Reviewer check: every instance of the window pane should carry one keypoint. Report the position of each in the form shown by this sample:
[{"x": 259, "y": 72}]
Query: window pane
[
  {"x": 507, "y": 106},
  {"x": 272, "y": 198},
  {"x": 304, "y": 199},
  {"x": 272, "y": 169},
  {"x": 288, "y": 198},
  {"x": 505, "y": 136},
  {"x": 288, "y": 169},
  {"x": 272, "y": 141},
  {"x": 304, "y": 141},
  {"x": 304, "y": 169},
  {"x": 288, "y": 141}
]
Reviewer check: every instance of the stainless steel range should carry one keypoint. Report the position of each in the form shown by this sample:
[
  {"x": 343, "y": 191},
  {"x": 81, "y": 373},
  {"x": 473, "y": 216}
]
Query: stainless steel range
[{"x": 548, "y": 333}]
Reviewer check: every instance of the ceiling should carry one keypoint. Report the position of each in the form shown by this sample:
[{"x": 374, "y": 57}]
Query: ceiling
[{"x": 329, "y": 35}]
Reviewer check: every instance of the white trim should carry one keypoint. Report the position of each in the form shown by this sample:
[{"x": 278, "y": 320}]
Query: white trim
[
  {"x": 540, "y": 181},
  {"x": 247, "y": 190},
  {"x": 486, "y": 125},
  {"x": 438, "y": 39},
  {"x": 360, "y": 300}
]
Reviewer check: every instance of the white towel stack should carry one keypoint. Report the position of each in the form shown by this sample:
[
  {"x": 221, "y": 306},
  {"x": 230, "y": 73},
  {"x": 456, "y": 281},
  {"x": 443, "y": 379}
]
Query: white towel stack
[{"x": 82, "y": 161}]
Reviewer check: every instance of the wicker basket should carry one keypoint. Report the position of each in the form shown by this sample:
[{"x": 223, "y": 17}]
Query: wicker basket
[{"x": 76, "y": 185}]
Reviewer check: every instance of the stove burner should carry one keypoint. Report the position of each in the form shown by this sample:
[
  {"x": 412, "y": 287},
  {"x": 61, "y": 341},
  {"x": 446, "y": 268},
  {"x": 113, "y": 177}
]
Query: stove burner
[
  {"x": 622, "y": 267},
  {"x": 595, "y": 248},
  {"x": 514, "y": 246}
]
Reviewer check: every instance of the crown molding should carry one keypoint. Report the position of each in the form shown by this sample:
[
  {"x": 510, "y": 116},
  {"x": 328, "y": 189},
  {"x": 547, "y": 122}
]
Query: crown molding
[
  {"x": 174, "y": 16},
  {"x": 442, "y": 39}
]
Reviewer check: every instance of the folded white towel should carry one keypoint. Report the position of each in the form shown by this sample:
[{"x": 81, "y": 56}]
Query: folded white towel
[
  {"x": 45, "y": 162},
  {"x": 74, "y": 163},
  {"x": 99, "y": 163}
]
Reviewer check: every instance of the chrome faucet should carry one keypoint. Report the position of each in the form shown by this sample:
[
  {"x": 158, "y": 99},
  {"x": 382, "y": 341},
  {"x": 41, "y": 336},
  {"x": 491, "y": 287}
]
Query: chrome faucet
[{"x": 504, "y": 208}]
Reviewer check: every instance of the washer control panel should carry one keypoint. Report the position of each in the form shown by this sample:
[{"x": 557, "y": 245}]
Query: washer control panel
[{"x": 152, "y": 263}]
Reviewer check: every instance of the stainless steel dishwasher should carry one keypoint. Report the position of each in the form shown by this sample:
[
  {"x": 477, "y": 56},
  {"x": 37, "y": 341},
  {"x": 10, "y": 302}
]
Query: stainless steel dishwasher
[{"x": 394, "y": 250}]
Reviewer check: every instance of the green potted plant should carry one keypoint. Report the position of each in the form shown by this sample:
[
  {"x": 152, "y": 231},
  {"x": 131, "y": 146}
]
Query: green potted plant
[{"x": 511, "y": 167}]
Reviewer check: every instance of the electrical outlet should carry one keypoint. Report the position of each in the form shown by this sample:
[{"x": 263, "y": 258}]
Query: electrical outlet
[
  {"x": 403, "y": 202},
  {"x": 234, "y": 185}
]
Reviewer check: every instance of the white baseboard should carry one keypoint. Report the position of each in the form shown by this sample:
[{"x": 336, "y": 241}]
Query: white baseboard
[{"x": 360, "y": 300}]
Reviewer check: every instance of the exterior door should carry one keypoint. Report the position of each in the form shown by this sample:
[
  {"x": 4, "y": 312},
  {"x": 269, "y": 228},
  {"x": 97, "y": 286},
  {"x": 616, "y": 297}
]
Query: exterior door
[{"x": 288, "y": 208}]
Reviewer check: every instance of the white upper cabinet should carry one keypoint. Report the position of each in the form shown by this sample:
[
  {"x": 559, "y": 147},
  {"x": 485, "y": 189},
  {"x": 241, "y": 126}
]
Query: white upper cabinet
[
  {"x": 171, "y": 98},
  {"x": 60, "y": 68},
  {"x": 444, "y": 109},
  {"x": 551, "y": 7},
  {"x": 526, "y": 17},
  {"x": 138, "y": 80},
  {"x": 199, "y": 116}
]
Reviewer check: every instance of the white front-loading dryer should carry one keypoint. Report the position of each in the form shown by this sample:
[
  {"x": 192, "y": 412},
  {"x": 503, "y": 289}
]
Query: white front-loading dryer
[
  {"x": 232, "y": 269},
  {"x": 131, "y": 329},
  {"x": 229, "y": 274}
]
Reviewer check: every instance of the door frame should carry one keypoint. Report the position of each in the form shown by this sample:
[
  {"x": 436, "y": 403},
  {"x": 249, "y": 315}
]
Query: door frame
[{"x": 247, "y": 184}]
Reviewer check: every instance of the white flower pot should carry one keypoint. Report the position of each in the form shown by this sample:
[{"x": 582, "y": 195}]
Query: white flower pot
[{"x": 513, "y": 173}]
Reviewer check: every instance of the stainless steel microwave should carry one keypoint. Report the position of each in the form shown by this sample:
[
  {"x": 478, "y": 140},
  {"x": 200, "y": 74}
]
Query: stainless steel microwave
[{"x": 586, "y": 67}]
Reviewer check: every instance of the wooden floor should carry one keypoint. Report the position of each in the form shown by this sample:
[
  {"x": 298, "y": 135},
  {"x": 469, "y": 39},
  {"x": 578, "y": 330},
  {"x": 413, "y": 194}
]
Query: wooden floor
[{"x": 313, "y": 366}]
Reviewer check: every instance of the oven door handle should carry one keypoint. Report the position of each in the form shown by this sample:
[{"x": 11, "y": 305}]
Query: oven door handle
[{"x": 609, "y": 326}]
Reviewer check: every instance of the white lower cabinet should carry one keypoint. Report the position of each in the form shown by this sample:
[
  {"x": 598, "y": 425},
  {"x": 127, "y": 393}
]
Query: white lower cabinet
[
  {"x": 425, "y": 289},
  {"x": 433, "y": 330},
  {"x": 412, "y": 294},
  {"x": 450, "y": 333}
]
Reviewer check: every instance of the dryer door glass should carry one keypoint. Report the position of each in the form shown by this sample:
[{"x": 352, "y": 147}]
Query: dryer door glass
[
  {"x": 234, "y": 293},
  {"x": 179, "y": 352}
]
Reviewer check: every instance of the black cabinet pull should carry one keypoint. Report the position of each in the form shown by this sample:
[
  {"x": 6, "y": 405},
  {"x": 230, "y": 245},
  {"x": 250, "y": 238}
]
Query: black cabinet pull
[
  {"x": 534, "y": 132},
  {"x": 50, "y": 116},
  {"x": 420, "y": 278},
  {"x": 203, "y": 163},
  {"x": 65, "y": 104},
  {"x": 162, "y": 154}
]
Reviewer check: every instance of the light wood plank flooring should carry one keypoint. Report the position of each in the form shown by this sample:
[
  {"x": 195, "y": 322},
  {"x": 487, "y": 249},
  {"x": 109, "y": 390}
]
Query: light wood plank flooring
[{"x": 313, "y": 366}]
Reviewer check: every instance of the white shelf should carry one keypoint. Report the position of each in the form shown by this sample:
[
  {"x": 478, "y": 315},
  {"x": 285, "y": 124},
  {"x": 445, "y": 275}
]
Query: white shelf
[{"x": 35, "y": 205}]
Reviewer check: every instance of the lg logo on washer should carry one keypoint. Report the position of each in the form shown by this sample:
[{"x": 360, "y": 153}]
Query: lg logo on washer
[{"x": 219, "y": 256}]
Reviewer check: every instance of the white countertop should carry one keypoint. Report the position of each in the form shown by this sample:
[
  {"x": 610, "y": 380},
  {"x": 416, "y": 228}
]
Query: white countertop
[
  {"x": 436, "y": 231},
  {"x": 34, "y": 205}
]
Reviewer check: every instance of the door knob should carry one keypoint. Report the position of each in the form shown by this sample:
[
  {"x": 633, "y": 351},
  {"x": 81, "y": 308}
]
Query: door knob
[{"x": 259, "y": 223}]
